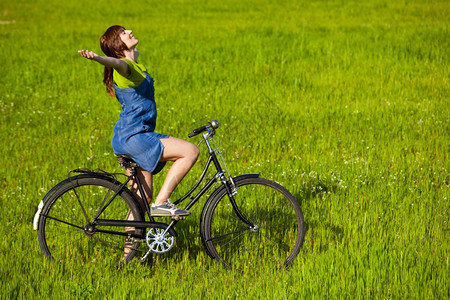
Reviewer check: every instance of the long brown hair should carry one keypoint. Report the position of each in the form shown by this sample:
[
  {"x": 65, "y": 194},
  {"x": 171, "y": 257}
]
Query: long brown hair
[{"x": 113, "y": 46}]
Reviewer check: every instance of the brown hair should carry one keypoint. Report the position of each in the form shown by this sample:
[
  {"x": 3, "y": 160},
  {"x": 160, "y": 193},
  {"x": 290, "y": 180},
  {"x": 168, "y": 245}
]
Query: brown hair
[{"x": 113, "y": 46}]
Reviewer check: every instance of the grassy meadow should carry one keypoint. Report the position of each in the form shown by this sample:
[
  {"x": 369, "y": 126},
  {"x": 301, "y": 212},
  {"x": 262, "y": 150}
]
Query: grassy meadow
[{"x": 345, "y": 103}]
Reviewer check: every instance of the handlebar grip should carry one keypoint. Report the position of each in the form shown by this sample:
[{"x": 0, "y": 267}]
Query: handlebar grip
[
  {"x": 214, "y": 124},
  {"x": 197, "y": 131}
]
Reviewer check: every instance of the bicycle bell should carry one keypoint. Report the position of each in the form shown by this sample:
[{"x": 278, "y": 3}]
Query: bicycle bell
[{"x": 215, "y": 124}]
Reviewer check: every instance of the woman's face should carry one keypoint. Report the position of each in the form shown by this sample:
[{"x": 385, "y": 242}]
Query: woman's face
[{"x": 128, "y": 38}]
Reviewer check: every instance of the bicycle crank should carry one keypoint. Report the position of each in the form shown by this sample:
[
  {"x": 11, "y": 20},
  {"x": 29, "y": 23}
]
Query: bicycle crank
[{"x": 159, "y": 241}]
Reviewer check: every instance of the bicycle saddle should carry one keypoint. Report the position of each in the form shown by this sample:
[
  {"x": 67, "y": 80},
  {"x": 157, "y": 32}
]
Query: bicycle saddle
[{"x": 126, "y": 162}]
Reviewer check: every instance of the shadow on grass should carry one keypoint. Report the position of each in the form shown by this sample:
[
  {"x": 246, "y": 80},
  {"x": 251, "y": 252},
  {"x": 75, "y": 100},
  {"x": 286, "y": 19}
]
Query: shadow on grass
[
  {"x": 188, "y": 242},
  {"x": 314, "y": 189}
]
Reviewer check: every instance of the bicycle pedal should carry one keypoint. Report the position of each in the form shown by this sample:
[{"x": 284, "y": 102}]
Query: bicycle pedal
[{"x": 177, "y": 218}]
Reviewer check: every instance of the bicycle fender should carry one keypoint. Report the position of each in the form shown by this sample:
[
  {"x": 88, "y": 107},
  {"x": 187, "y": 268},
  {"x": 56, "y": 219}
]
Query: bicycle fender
[
  {"x": 244, "y": 176},
  {"x": 67, "y": 180},
  {"x": 37, "y": 215}
]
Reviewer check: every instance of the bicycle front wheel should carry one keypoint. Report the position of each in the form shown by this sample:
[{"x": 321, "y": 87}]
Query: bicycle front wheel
[
  {"x": 277, "y": 230},
  {"x": 66, "y": 231}
]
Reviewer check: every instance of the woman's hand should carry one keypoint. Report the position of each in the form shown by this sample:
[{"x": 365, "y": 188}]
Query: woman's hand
[
  {"x": 88, "y": 54},
  {"x": 118, "y": 64}
]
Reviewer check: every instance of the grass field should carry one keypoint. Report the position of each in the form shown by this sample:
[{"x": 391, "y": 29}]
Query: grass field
[{"x": 345, "y": 103}]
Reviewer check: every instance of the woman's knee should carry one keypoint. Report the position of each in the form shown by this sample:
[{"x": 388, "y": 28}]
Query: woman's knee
[
  {"x": 175, "y": 149},
  {"x": 194, "y": 152}
]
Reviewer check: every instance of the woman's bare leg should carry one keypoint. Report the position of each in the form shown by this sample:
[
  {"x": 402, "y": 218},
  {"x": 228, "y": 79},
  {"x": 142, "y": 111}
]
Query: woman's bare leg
[
  {"x": 147, "y": 182},
  {"x": 184, "y": 155}
]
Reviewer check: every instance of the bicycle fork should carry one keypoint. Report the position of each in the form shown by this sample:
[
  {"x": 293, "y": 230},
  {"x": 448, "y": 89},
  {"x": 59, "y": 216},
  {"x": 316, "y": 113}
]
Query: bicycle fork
[
  {"x": 228, "y": 184},
  {"x": 232, "y": 191}
]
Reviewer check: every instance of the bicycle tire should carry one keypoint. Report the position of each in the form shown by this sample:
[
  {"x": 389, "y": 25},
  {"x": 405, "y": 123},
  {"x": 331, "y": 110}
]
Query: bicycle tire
[
  {"x": 266, "y": 204},
  {"x": 62, "y": 227}
]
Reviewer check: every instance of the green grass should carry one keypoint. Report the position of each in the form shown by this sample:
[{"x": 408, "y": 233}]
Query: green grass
[{"x": 345, "y": 103}]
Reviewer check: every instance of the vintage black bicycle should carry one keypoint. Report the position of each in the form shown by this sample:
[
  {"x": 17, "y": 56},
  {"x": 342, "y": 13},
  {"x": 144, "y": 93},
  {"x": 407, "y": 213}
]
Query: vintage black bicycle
[{"x": 246, "y": 220}]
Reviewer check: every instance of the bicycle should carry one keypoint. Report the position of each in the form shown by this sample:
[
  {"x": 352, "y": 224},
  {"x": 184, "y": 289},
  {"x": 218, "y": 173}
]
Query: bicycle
[{"x": 246, "y": 221}]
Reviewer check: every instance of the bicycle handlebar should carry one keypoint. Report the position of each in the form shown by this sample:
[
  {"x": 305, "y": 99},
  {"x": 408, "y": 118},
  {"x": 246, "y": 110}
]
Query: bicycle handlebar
[{"x": 214, "y": 125}]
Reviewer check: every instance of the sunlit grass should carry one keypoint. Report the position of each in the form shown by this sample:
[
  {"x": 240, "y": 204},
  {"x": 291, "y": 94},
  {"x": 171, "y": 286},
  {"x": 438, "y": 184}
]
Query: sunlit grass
[{"x": 345, "y": 103}]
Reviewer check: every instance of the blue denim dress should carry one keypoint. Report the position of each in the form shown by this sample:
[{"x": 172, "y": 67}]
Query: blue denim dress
[{"x": 134, "y": 131}]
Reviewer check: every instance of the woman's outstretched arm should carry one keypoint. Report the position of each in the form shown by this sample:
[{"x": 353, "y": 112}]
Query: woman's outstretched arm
[{"x": 118, "y": 64}]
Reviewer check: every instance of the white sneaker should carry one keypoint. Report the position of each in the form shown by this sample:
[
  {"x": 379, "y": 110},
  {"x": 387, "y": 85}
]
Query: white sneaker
[{"x": 167, "y": 209}]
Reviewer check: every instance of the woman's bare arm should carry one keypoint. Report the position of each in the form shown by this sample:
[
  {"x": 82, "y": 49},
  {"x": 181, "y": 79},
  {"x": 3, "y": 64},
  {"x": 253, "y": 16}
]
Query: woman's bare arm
[{"x": 118, "y": 64}]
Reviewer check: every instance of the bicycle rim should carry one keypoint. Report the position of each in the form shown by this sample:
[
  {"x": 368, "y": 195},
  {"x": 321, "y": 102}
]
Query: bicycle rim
[
  {"x": 63, "y": 234},
  {"x": 275, "y": 240}
]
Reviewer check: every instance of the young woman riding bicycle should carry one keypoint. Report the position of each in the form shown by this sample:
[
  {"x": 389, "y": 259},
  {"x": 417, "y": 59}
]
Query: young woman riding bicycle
[
  {"x": 246, "y": 222},
  {"x": 134, "y": 132}
]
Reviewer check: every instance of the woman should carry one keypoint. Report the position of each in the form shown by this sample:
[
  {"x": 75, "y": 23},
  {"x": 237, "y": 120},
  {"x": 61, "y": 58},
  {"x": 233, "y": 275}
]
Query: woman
[{"x": 134, "y": 131}]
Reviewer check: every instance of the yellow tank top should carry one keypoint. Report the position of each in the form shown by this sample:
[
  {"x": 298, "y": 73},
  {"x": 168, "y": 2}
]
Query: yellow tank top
[{"x": 134, "y": 79}]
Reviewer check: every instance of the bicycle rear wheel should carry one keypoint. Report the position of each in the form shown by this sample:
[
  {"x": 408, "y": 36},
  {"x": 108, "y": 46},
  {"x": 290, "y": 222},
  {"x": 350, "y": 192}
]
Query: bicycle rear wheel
[
  {"x": 277, "y": 234},
  {"x": 65, "y": 232}
]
